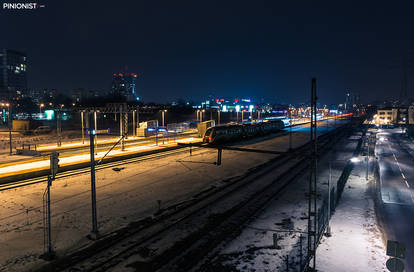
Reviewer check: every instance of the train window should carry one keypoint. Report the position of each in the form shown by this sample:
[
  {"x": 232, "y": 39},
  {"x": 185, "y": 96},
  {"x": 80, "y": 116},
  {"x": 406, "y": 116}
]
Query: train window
[{"x": 208, "y": 132}]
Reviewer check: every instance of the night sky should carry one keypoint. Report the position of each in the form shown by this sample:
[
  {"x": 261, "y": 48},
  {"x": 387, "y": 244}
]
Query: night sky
[{"x": 189, "y": 49}]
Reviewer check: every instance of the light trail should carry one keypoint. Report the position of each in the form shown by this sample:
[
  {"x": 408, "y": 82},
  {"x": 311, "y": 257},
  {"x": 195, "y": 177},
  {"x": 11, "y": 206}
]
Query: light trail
[{"x": 44, "y": 164}]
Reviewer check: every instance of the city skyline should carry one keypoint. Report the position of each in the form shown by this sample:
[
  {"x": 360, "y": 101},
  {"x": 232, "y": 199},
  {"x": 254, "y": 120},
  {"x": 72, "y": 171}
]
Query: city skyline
[
  {"x": 193, "y": 49},
  {"x": 236, "y": 135}
]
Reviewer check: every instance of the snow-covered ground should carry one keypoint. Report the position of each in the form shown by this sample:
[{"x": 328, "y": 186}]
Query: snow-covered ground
[
  {"x": 355, "y": 244},
  {"x": 354, "y": 227},
  {"x": 18, "y": 139},
  {"x": 124, "y": 194}
]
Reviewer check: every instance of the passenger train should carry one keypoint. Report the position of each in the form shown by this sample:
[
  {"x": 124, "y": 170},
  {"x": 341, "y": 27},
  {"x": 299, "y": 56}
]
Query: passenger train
[{"x": 222, "y": 134}]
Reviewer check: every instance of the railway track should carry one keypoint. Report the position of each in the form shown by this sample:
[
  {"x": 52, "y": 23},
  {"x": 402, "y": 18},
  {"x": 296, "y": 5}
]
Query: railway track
[
  {"x": 105, "y": 146},
  {"x": 21, "y": 183},
  {"x": 179, "y": 237}
]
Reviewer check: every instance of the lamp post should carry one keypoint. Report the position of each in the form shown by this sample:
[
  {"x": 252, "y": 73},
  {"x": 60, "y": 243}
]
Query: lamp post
[
  {"x": 367, "y": 174},
  {"x": 40, "y": 107},
  {"x": 59, "y": 125},
  {"x": 133, "y": 123},
  {"x": 83, "y": 129},
  {"x": 10, "y": 129},
  {"x": 137, "y": 120},
  {"x": 95, "y": 117},
  {"x": 290, "y": 130},
  {"x": 163, "y": 117},
  {"x": 218, "y": 116}
]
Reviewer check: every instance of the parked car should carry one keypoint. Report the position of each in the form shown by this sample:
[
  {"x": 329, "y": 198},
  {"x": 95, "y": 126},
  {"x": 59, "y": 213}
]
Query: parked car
[{"x": 42, "y": 130}]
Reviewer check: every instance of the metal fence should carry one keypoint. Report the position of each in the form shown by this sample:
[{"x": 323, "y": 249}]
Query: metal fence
[
  {"x": 297, "y": 259},
  {"x": 178, "y": 127}
]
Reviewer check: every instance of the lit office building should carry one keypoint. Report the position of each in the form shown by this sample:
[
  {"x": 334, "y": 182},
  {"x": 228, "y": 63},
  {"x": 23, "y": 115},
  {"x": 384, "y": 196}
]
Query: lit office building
[
  {"x": 13, "y": 80},
  {"x": 124, "y": 85}
]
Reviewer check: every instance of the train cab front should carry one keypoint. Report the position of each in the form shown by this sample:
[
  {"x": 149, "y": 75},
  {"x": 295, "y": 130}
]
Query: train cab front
[{"x": 208, "y": 136}]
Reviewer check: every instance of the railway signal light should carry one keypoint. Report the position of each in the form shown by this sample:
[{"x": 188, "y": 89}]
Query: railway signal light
[{"x": 54, "y": 163}]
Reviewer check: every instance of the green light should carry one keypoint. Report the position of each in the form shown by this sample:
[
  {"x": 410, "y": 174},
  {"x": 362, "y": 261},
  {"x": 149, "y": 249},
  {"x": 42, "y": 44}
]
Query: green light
[{"x": 50, "y": 114}]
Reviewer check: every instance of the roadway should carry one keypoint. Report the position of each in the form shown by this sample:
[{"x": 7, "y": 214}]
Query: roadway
[{"x": 396, "y": 183}]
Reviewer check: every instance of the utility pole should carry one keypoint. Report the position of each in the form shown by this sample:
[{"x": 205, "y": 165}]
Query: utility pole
[
  {"x": 58, "y": 128},
  {"x": 133, "y": 123},
  {"x": 290, "y": 131},
  {"x": 126, "y": 123},
  {"x": 83, "y": 127},
  {"x": 366, "y": 175},
  {"x": 328, "y": 227},
  {"x": 94, "y": 233},
  {"x": 10, "y": 129},
  {"x": 312, "y": 204},
  {"x": 121, "y": 128},
  {"x": 137, "y": 118},
  {"x": 96, "y": 129}
]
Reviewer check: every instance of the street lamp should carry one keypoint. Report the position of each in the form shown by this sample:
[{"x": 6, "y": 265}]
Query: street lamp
[
  {"x": 201, "y": 114},
  {"x": 83, "y": 130},
  {"x": 163, "y": 116},
  {"x": 290, "y": 130},
  {"x": 8, "y": 105},
  {"x": 59, "y": 125},
  {"x": 354, "y": 159},
  {"x": 40, "y": 108},
  {"x": 218, "y": 116}
]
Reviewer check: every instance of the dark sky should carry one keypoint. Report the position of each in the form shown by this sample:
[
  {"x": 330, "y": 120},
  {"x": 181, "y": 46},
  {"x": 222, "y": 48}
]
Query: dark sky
[{"x": 189, "y": 49}]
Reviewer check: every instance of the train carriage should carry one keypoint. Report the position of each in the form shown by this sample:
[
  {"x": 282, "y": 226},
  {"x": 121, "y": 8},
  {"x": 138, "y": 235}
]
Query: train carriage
[{"x": 222, "y": 134}]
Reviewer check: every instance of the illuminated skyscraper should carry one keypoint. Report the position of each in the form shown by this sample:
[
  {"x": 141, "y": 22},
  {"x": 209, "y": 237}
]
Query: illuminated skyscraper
[
  {"x": 13, "y": 67},
  {"x": 124, "y": 85}
]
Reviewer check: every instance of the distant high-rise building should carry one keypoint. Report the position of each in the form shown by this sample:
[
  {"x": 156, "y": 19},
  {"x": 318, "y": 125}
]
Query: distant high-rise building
[
  {"x": 124, "y": 85},
  {"x": 13, "y": 69}
]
